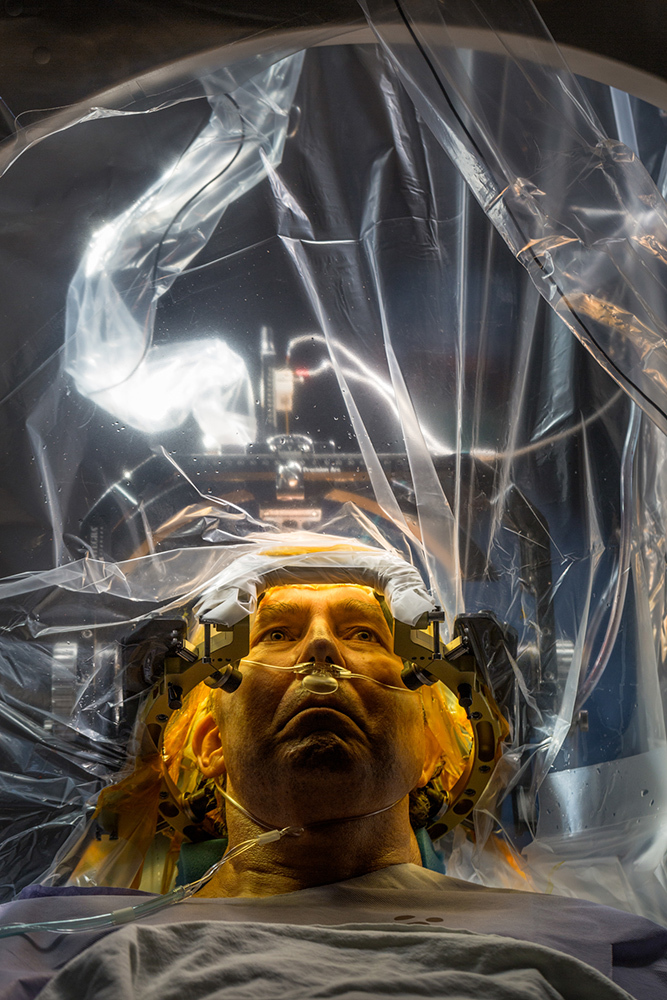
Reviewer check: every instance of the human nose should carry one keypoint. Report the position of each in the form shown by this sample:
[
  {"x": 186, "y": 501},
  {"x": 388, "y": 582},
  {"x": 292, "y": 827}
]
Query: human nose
[{"x": 319, "y": 644}]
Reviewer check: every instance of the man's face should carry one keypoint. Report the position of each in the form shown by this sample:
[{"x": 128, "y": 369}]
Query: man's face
[{"x": 292, "y": 756}]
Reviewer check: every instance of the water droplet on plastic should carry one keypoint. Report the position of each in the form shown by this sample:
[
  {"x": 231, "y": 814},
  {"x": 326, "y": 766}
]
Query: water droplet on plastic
[{"x": 41, "y": 55}]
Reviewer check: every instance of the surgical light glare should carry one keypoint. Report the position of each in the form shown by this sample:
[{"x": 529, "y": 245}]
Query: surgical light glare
[
  {"x": 102, "y": 241},
  {"x": 203, "y": 377},
  {"x": 132, "y": 261}
]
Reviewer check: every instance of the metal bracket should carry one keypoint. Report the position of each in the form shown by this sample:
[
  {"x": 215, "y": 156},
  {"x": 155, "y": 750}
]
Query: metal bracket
[
  {"x": 466, "y": 665},
  {"x": 225, "y": 648}
]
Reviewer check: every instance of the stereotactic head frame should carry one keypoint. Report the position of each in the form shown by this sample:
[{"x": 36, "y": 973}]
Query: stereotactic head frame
[{"x": 471, "y": 665}]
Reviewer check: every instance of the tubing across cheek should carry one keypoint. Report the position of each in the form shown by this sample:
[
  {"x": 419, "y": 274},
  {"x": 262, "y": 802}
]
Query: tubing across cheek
[{"x": 324, "y": 677}]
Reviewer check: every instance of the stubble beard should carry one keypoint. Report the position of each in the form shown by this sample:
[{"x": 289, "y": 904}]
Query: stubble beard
[{"x": 313, "y": 778}]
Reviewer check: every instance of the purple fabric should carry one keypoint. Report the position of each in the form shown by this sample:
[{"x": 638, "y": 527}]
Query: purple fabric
[{"x": 628, "y": 949}]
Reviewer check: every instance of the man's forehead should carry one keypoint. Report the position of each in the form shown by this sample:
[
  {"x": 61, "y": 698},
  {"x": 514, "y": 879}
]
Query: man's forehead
[{"x": 340, "y": 599}]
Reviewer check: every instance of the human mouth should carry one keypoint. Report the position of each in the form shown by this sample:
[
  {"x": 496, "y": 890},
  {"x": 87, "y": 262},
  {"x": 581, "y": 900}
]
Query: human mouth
[
  {"x": 320, "y": 723},
  {"x": 318, "y": 712}
]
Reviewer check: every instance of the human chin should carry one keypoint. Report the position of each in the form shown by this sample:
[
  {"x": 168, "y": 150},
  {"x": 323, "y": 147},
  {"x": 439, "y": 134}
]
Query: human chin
[{"x": 320, "y": 750}]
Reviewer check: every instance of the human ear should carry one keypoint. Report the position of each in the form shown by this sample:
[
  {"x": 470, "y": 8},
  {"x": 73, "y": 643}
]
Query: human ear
[
  {"x": 207, "y": 747},
  {"x": 432, "y": 756}
]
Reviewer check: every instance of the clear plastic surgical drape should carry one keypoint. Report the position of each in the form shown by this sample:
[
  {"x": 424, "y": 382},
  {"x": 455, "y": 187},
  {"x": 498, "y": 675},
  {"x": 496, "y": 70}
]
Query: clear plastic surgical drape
[{"x": 405, "y": 288}]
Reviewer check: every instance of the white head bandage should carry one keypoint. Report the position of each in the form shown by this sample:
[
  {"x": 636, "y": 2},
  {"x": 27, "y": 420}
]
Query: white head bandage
[{"x": 233, "y": 593}]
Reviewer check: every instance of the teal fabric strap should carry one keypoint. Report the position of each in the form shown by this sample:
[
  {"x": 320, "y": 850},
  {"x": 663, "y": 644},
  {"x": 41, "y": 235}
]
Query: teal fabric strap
[
  {"x": 196, "y": 859},
  {"x": 430, "y": 859}
]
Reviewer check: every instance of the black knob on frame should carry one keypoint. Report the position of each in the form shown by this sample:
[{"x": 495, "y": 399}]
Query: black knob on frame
[{"x": 228, "y": 679}]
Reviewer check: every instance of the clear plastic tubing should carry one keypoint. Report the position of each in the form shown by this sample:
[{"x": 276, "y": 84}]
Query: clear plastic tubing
[
  {"x": 127, "y": 914},
  {"x": 322, "y": 678}
]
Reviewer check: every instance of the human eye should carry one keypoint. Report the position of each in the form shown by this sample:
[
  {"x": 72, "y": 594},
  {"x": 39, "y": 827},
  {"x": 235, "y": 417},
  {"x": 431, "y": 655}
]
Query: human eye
[
  {"x": 363, "y": 634},
  {"x": 276, "y": 635}
]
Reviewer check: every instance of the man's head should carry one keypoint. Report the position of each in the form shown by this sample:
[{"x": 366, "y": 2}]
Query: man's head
[{"x": 293, "y": 757}]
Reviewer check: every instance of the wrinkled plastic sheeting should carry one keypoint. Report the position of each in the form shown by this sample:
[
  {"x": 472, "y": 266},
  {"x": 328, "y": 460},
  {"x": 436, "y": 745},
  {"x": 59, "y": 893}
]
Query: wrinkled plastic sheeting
[
  {"x": 133, "y": 260},
  {"x": 461, "y": 424},
  {"x": 578, "y": 210}
]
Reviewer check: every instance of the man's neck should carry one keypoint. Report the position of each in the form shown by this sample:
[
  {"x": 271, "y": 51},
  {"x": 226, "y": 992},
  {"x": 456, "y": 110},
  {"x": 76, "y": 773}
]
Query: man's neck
[{"x": 327, "y": 854}]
